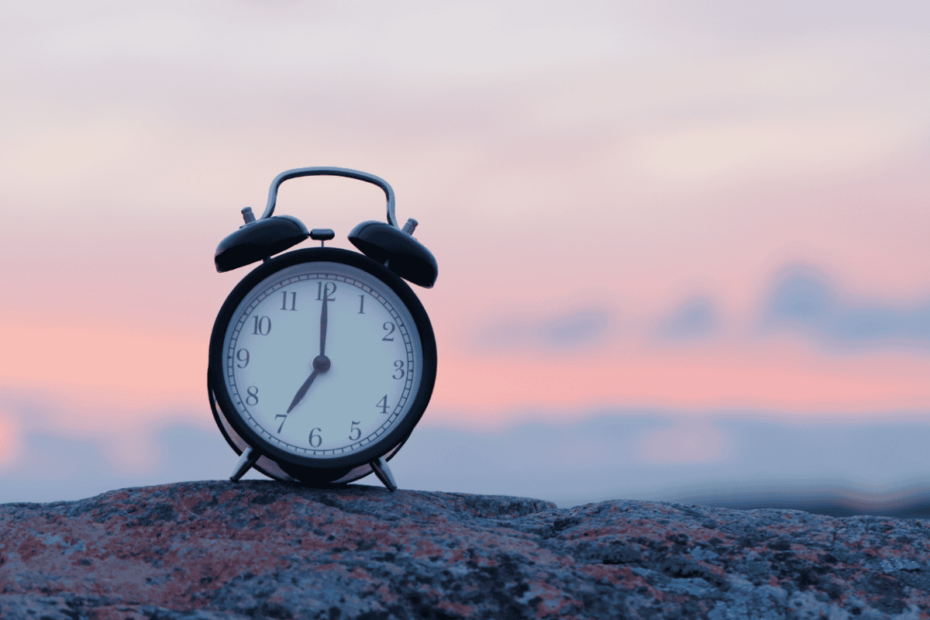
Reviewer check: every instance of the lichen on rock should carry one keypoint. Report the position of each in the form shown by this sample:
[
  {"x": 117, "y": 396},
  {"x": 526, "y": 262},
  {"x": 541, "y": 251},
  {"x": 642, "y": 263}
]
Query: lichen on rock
[{"x": 264, "y": 549}]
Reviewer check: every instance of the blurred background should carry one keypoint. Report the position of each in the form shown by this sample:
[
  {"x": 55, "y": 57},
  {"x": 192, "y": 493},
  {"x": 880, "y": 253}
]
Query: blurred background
[{"x": 683, "y": 248}]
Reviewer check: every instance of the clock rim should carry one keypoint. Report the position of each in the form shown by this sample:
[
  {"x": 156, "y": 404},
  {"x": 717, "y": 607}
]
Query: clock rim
[{"x": 315, "y": 466}]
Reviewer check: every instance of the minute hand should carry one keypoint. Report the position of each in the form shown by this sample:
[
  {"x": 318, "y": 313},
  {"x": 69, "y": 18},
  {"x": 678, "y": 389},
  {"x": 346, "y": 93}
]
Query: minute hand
[{"x": 323, "y": 318}]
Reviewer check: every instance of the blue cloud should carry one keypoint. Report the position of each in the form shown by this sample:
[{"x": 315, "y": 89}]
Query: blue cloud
[
  {"x": 574, "y": 330},
  {"x": 56, "y": 466},
  {"x": 592, "y": 456},
  {"x": 693, "y": 319},
  {"x": 804, "y": 300},
  {"x": 865, "y": 466}
]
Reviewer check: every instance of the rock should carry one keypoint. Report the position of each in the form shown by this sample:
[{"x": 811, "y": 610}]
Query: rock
[{"x": 272, "y": 550}]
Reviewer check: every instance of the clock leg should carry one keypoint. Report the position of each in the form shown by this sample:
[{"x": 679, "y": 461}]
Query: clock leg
[
  {"x": 381, "y": 469},
  {"x": 248, "y": 458}
]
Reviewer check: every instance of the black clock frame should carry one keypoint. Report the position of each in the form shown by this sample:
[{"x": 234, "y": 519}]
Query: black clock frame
[{"x": 311, "y": 470}]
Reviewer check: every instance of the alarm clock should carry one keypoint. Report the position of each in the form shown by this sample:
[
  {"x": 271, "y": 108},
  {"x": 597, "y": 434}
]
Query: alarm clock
[{"x": 322, "y": 360}]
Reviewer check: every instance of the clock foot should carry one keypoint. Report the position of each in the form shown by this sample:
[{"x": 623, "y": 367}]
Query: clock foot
[
  {"x": 248, "y": 458},
  {"x": 381, "y": 469}
]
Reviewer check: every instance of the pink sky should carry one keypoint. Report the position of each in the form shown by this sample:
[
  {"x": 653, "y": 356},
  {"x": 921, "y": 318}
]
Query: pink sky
[{"x": 579, "y": 169}]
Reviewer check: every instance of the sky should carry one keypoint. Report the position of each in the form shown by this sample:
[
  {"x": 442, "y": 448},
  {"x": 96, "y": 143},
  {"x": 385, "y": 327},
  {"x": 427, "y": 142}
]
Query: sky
[{"x": 695, "y": 213}]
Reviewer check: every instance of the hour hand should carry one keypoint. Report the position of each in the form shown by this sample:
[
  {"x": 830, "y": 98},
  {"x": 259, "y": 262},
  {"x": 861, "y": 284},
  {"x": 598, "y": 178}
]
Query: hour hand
[
  {"x": 303, "y": 390},
  {"x": 321, "y": 364}
]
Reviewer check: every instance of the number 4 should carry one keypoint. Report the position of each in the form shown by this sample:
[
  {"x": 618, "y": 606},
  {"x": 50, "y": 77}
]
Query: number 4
[{"x": 383, "y": 404}]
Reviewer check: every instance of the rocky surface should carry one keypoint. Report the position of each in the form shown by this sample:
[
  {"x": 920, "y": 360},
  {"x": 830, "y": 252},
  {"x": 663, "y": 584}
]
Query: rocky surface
[{"x": 272, "y": 550}]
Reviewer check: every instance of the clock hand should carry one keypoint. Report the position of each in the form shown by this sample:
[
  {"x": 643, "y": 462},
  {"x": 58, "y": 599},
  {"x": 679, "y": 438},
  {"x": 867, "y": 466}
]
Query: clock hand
[
  {"x": 303, "y": 390},
  {"x": 321, "y": 364},
  {"x": 323, "y": 318}
]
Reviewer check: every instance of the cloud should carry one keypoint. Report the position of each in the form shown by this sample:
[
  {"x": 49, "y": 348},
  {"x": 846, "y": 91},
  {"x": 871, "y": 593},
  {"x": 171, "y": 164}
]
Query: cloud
[
  {"x": 614, "y": 454},
  {"x": 683, "y": 443},
  {"x": 574, "y": 329},
  {"x": 664, "y": 455},
  {"x": 805, "y": 300},
  {"x": 10, "y": 438},
  {"x": 693, "y": 319},
  {"x": 571, "y": 330},
  {"x": 50, "y": 465}
]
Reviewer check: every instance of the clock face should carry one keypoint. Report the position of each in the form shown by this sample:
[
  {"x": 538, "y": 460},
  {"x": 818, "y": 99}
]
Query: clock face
[{"x": 323, "y": 360}]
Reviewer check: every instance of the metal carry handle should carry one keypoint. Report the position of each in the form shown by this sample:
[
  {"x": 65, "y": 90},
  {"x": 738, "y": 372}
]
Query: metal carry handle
[{"x": 331, "y": 172}]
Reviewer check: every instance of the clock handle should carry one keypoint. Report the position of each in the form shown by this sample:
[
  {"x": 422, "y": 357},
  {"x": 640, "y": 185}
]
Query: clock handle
[{"x": 332, "y": 172}]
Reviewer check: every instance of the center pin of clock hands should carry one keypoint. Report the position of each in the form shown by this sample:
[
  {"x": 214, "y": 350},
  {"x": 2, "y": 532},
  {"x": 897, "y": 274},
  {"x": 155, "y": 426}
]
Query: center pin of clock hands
[{"x": 321, "y": 363}]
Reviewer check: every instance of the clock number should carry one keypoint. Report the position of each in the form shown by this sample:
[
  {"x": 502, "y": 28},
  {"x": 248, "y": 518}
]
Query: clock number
[
  {"x": 284, "y": 301},
  {"x": 361, "y": 304},
  {"x": 389, "y": 328},
  {"x": 262, "y": 326},
  {"x": 243, "y": 356},
  {"x": 383, "y": 404},
  {"x": 398, "y": 369},
  {"x": 356, "y": 432},
  {"x": 315, "y": 440},
  {"x": 252, "y": 398},
  {"x": 322, "y": 291},
  {"x": 282, "y": 421}
]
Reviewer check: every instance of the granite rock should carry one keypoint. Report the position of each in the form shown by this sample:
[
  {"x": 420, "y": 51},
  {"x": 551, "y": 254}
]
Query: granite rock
[{"x": 272, "y": 550}]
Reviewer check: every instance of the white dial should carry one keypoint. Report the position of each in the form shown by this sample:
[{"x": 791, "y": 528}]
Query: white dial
[{"x": 322, "y": 360}]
